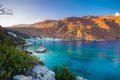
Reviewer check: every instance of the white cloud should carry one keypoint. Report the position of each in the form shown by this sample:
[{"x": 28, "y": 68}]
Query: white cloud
[{"x": 117, "y": 14}]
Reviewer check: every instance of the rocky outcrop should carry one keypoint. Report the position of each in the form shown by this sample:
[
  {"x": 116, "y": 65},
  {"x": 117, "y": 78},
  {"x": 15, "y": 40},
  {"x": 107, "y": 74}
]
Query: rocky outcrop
[
  {"x": 72, "y": 28},
  {"x": 22, "y": 77},
  {"x": 80, "y": 78},
  {"x": 39, "y": 72}
]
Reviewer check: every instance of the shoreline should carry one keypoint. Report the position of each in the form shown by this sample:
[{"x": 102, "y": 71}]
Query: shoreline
[
  {"x": 37, "y": 71},
  {"x": 26, "y": 36}
]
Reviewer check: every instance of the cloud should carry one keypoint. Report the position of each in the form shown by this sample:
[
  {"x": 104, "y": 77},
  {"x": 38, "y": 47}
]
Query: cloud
[{"x": 117, "y": 14}]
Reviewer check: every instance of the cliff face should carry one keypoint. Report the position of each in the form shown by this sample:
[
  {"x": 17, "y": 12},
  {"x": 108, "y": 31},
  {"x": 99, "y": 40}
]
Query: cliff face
[{"x": 74, "y": 28}]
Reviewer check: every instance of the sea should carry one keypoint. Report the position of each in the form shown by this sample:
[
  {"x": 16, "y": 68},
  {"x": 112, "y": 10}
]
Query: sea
[{"x": 93, "y": 60}]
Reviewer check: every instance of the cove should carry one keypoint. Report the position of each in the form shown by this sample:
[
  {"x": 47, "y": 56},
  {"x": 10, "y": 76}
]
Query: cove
[{"x": 94, "y": 60}]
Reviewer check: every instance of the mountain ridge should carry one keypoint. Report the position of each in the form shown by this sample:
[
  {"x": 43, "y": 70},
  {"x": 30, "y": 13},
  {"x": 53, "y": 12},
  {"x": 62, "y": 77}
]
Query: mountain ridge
[{"x": 75, "y": 28}]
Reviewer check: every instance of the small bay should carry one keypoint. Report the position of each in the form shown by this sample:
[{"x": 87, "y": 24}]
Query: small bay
[{"x": 94, "y": 60}]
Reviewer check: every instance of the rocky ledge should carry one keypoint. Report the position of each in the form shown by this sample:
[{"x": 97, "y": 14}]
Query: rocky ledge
[{"x": 39, "y": 72}]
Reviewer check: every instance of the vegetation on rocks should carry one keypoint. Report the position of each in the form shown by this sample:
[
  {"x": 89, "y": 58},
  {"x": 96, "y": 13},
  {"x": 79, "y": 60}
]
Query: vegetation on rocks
[
  {"x": 8, "y": 40},
  {"x": 13, "y": 42},
  {"x": 13, "y": 61},
  {"x": 63, "y": 73}
]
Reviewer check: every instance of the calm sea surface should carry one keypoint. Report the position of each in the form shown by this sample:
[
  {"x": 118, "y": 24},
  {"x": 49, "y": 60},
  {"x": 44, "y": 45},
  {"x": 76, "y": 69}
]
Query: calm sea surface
[{"x": 94, "y": 60}]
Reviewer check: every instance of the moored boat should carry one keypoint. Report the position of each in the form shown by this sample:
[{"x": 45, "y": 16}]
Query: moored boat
[{"x": 40, "y": 50}]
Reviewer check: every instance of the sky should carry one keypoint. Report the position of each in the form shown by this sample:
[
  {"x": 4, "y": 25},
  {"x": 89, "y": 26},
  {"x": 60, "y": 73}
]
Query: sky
[{"x": 31, "y": 11}]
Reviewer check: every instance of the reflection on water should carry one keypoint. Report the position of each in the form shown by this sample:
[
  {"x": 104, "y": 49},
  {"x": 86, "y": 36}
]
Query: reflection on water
[{"x": 94, "y": 60}]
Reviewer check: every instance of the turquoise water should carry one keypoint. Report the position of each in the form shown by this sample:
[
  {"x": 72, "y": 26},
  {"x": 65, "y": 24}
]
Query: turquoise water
[{"x": 94, "y": 60}]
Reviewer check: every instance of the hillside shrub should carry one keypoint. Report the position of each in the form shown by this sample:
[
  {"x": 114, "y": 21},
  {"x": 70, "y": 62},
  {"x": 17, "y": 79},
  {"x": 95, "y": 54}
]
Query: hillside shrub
[
  {"x": 13, "y": 61},
  {"x": 63, "y": 73},
  {"x": 13, "y": 42}
]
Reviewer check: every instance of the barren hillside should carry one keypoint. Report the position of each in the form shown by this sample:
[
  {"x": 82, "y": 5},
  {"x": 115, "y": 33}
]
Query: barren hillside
[{"x": 75, "y": 28}]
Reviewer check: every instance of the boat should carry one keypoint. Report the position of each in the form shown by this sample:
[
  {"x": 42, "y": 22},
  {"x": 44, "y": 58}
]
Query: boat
[{"x": 40, "y": 50}]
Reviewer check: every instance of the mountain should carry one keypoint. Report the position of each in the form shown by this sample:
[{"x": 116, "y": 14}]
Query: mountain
[{"x": 75, "y": 28}]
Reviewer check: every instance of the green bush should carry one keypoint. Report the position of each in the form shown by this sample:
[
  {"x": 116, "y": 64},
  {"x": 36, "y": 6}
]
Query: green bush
[
  {"x": 9, "y": 42},
  {"x": 13, "y": 42},
  {"x": 13, "y": 61},
  {"x": 63, "y": 73}
]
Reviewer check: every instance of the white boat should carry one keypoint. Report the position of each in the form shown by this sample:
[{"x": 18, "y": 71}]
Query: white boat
[{"x": 40, "y": 50}]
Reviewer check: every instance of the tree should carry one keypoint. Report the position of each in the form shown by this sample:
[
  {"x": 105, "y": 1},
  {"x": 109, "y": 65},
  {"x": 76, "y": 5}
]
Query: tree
[{"x": 5, "y": 11}]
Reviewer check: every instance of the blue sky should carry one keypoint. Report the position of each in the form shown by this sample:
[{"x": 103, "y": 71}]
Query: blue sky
[{"x": 30, "y": 11}]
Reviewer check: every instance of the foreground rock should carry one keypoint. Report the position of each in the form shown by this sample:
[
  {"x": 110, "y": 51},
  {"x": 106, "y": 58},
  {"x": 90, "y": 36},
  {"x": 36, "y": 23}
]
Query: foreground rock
[
  {"x": 80, "y": 78},
  {"x": 39, "y": 72},
  {"x": 22, "y": 77}
]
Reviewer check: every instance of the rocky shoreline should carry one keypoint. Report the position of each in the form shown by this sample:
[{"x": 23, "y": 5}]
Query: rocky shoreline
[{"x": 39, "y": 72}]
